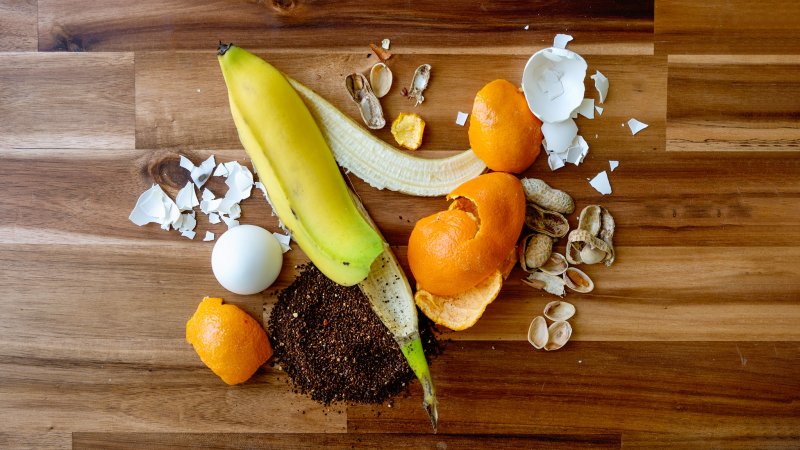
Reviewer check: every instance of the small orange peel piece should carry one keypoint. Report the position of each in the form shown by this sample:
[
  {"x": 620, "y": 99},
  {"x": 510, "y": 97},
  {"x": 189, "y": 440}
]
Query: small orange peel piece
[
  {"x": 407, "y": 130},
  {"x": 460, "y": 311}
]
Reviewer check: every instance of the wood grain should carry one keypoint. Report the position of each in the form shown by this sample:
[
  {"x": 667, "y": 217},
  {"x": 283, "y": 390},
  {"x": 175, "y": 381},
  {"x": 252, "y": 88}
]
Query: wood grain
[
  {"x": 730, "y": 108},
  {"x": 727, "y": 27},
  {"x": 67, "y": 101},
  {"x": 298, "y": 24},
  {"x": 18, "y": 25},
  {"x": 339, "y": 441},
  {"x": 708, "y": 390}
]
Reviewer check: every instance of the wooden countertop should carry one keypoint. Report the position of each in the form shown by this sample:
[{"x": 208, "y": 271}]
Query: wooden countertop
[{"x": 691, "y": 339}]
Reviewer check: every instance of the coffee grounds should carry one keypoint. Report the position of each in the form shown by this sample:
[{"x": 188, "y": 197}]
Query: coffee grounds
[{"x": 332, "y": 345}]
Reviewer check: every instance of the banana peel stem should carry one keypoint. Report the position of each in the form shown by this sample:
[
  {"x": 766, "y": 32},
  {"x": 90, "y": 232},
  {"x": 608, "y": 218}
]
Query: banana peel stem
[{"x": 413, "y": 352}]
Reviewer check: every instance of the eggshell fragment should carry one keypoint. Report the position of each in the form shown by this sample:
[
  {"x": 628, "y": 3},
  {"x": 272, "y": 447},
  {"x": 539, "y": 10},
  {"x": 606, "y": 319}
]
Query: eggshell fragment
[
  {"x": 601, "y": 184},
  {"x": 636, "y": 126},
  {"x": 601, "y": 84},
  {"x": 553, "y": 83},
  {"x": 559, "y": 135}
]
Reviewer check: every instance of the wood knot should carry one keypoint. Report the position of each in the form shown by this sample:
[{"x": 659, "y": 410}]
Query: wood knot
[
  {"x": 166, "y": 170},
  {"x": 283, "y": 5}
]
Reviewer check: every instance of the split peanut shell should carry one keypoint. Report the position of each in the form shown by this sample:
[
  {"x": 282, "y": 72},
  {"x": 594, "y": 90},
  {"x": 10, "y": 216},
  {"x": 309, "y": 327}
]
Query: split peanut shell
[
  {"x": 534, "y": 251},
  {"x": 549, "y": 223},
  {"x": 556, "y": 264},
  {"x": 592, "y": 241},
  {"x": 368, "y": 104}
]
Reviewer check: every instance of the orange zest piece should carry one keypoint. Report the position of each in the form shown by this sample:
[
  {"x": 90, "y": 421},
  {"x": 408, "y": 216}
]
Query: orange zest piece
[{"x": 230, "y": 342}]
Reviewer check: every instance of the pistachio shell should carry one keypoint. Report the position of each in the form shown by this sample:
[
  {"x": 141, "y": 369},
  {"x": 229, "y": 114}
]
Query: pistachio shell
[
  {"x": 577, "y": 280},
  {"x": 559, "y": 310},
  {"x": 549, "y": 283},
  {"x": 368, "y": 104},
  {"x": 537, "y": 333},
  {"x": 549, "y": 223},
  {"x": 534, "y": 251},
  {"x": 419, "y": 83},
  {"x": 539, "y": 192},
  {"x": 380, "y": 78},
  {"x": 558, "y": 335},
  {"x": 555, "y": 265},
  {"x": 592, "y": 241}
]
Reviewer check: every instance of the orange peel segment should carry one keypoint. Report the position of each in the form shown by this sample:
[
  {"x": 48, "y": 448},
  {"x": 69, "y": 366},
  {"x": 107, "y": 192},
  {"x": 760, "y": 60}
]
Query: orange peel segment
[
  {"x": 454, "y": 250},
  {"x": 460, "y": 311}
]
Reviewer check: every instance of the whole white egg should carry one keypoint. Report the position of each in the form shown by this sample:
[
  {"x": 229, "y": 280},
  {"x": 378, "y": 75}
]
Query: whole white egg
[{"x": 246, "y": 259}]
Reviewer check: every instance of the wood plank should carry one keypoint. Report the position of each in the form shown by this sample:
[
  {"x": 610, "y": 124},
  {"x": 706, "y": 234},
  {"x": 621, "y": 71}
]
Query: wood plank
[
  {"x": 699, "y": 388},
  {"x": 71, "y": 393},
  {"x": 18, "y": 25},
  {"x": 726, "y": 27},
  {"x": 657, "y": 200},
  {"x": 181, "y": 24},
  {"x": 45, "y": 437},
  {"x": 181, "y": 98},
  {"x": 338, "y": 441},
  {"x": 733, "y": 103},
  {"x": 67, "y": 100},
  {"x": 731, "y": 442}
]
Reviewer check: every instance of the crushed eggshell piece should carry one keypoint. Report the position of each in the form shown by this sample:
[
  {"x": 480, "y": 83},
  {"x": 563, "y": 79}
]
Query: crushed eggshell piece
[
  {"x": 577, "y": 151},
  {"x": 230, "y": 222},
  {"x": 601, "y": 184},
  {"x": 155, "y": 206},
  {"x": 461, "y": 119},
  {"x": 587, "y": 108},
  {"x": 186, "y": 198},
  {"x": 201, "y": 173},
  {"x": 599, "y": 110},
  {"x": 526, "y": 27},
  {"x": 559, "y": 135},
  {"x": 188, "y": 234},
  {"x": 636, "y": 126},
  {"x": 561, "y": 40},
  {"x": 213, "y": 218},
  {"x": 209, "y": 236},
  {"x": 613, "y": 165},
  {"x": 554, "y": 161},
  {"x": 284, "y": 240},
  {"x": 601, "y": 84},
  {"x": 385, "y": 44}
]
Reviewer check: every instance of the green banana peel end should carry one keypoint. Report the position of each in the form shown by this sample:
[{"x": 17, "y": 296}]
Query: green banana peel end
[{"x": 413, "y": 352}]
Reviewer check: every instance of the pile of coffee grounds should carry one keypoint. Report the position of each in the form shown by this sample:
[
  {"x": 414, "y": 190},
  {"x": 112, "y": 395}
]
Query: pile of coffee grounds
[{"x": 333, "y": 346}]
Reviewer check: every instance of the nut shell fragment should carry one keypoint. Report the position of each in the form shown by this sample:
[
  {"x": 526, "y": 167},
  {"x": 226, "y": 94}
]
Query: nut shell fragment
[
  {"x": 380, "y": 78},
  {"x": 534, "y": 251},
  {"x": 537, "y": 333},
  {"x": 577, "y": 280},
  {"x": 559, "y": 310},
  {"x": 368, "y": 104},
  {"x": 539, "y": 192},
  {"x": 592, "y": 241},
  {"x": 558, "y": 335},
  {"x": 555, "y": 265},
  {"x": 418, "y": 84},
  {"x": 549, "y": 223}
]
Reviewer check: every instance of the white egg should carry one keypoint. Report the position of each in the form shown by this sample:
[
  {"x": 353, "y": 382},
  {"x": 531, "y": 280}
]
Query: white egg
[{"x": 246, "y": 259}]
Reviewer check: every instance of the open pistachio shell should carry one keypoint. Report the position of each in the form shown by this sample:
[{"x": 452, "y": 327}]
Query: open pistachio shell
[
  {"x": 592, "y": 241},
  {"x": 537, "y": 333},
  {"x": 556, "y": 264},
  {"x": 419, "y": 83},
  {"x": 549, "y": 223},
  {"x": 559, "y": 310},
  {"x": 558, "y": 335},
  {"x": 548, "y": 283},
  {"x": 368, "y": 104},
  {"x": 534, "y": 251},
  {"x": 577, "y": 280},
  {"x": 380, "y": 78}
]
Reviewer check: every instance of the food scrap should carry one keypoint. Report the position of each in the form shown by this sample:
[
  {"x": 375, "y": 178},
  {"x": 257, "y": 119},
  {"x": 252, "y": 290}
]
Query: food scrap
[
  {"x": 461, "y": 118},
  {"x": 636, "y": 126},
  {"x": 380, "y": 79},
  {"x": 368, "y": 104},
  {"x": 613, "y": 165},
  {"x": 246, "y": 259},
  {"x": 601, "y": 84},
  {"x": 382, "y": 53},
  {"x": 199, "y": 173},
  {"x": 601, "y": 184},
  {"x": 385, "y": 44},
  {"x": 419, "y": 83},
  {"x": 407, "y": 130}
]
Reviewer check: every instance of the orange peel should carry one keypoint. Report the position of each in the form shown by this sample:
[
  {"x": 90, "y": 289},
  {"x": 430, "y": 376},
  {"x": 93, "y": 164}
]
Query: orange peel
[{"x": 460, "y": 311}]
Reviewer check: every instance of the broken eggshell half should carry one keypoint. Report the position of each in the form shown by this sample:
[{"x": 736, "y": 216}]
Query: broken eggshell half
[
  {"x": 368, "y": 104},
  {"x": 380, "y": 78},
  {"x": 537, "y": 333},
  {"x": 553, "y": 83}
]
